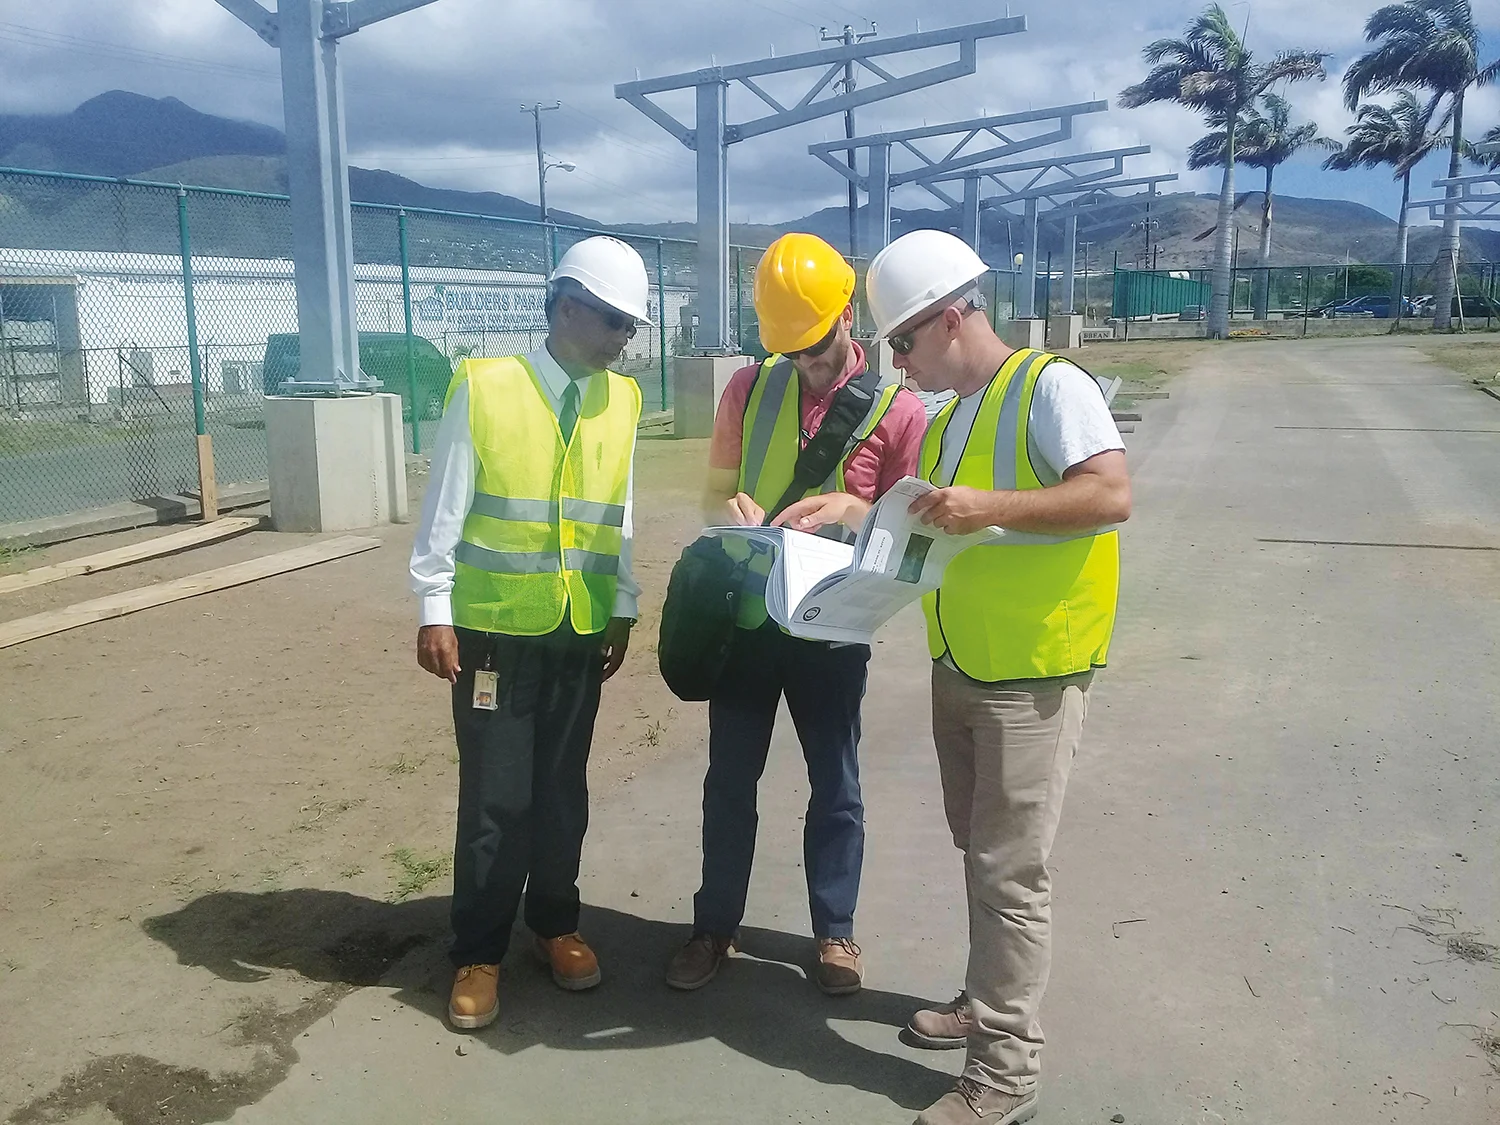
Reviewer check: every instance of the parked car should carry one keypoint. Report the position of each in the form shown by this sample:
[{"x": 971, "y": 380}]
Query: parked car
[
  {"x": 1476, "y": 306},
  {"x": 1325, "y": 309},
  {"x": 1377, "y": 305},
  {"x": 1193, "y": 312},
  {"x": 382, "y": 355}
]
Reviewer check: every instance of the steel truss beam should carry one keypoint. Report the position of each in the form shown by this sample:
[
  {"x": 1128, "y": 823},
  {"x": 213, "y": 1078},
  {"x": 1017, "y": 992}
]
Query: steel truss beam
[{"x": 712, "y": 132}]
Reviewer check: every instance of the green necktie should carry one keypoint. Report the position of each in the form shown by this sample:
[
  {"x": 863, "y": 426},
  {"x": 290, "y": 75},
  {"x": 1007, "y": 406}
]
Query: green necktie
[{"x": 569, "y": 416}]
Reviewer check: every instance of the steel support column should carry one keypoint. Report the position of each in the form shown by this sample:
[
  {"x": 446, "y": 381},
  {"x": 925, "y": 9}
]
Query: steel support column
[
  {"x": 970, "y": 220},
  {"x": 878, "y": 211},
  {"x": 1070, "y": 237},
  {"x": 713, "y": 219}
]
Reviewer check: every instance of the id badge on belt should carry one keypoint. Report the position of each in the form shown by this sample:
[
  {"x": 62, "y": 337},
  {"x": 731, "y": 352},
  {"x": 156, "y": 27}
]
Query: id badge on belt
[{"x": 486, "y": 687}]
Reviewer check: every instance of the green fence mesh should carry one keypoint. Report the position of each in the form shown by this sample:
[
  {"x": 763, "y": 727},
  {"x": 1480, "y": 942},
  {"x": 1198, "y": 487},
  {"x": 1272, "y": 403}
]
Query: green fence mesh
[{"x": 96, "y": 378}]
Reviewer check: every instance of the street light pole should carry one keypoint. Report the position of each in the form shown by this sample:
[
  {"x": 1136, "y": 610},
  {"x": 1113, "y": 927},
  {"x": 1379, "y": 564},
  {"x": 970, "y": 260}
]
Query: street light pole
[
  {"x": 536, "y": 110},
  {"x": 849, "y": 37},
  {"x": 1351, "y": 246}
]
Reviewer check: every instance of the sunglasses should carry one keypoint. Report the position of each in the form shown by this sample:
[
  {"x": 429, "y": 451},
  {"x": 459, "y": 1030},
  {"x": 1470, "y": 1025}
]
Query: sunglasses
[
  {"x": 613, "y": 319},
  {"x": 815, "y": 350},
  {"x": 902, "y": 342}
]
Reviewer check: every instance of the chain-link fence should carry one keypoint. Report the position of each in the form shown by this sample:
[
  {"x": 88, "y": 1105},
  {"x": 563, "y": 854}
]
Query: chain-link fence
[
  {"x": 1343, "y": 291},
  {"x": 101, "y": 393}
]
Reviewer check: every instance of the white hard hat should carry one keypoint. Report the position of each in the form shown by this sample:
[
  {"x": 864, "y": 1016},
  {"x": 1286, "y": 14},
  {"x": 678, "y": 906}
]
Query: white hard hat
[
  {"x": 611, "y": 271},
  {"x": 918, "y": 270}
]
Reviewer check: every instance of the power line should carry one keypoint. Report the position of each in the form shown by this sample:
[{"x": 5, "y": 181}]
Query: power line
[{"x": 36, "y": 37}]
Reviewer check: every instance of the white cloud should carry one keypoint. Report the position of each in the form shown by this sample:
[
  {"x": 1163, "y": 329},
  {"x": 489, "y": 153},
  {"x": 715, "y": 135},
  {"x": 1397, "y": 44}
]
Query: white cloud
[{"x": 434, "y": 93}]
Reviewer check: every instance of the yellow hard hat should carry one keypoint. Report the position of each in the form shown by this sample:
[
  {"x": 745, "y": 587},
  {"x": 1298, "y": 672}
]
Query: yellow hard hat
[{"x": 802, "y": 286}]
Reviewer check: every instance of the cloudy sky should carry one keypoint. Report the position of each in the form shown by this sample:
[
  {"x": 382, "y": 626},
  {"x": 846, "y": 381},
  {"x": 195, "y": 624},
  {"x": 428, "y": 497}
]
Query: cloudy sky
[{"x": 434, "y": 93}]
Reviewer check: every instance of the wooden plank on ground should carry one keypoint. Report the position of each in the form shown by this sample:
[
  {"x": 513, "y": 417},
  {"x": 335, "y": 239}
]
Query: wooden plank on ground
[
  {"x": 195, "y": 536},
  {"x": 147, "y": 597}
]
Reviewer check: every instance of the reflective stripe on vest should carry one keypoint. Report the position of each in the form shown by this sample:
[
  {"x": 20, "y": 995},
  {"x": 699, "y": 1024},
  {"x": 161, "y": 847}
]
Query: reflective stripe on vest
[
  {"x": 769, "y": 445},
  {"x": 542, "y": 539},
  {"x": 1017, "y": 612}
]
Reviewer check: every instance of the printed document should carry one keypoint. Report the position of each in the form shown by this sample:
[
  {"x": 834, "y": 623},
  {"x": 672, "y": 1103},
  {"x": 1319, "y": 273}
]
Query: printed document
[{"x": 826, "y": 590}]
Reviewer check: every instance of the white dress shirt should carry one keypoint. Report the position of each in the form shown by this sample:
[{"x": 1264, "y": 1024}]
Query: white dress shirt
[{"x": 450, "y": 492}]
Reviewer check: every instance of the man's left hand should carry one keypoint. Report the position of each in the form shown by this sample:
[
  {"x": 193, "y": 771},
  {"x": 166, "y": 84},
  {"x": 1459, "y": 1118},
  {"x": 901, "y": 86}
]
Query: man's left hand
[
  {"x": 958, "y": 510},
  {"x": 616, "y": 641}
]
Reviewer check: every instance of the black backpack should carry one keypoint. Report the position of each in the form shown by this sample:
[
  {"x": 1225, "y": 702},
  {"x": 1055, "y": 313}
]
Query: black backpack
[{"x": 703, "y": 594}]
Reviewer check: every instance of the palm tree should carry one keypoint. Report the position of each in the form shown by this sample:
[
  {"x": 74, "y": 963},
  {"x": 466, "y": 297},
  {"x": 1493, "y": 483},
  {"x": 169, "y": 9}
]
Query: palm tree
[
  {"x": 1492, "y": 161},
  {"x": 1265, "y": 141},
  {"x": 1400, "y": 136},
  {"x": 1210, "y": 70},
  {"x": 1433, "y": 46}
]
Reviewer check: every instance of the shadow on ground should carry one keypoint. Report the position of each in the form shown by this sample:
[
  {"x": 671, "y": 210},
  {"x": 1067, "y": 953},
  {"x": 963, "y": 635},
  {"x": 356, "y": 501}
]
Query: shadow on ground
[{"x": 761, "y": 1006}]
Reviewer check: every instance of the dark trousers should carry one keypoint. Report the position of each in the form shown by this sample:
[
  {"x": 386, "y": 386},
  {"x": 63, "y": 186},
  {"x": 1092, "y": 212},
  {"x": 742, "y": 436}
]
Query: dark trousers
[
  {"x": 823, "y": 687},
  {"x": 523, "y": 802}
]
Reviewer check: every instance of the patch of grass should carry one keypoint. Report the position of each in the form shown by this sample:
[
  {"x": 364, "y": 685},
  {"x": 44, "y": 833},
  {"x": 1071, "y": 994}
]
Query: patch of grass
[
  {"x": 416, "y": 871},
  {"x": 402, "y": 765},
  {"x": 352, "y": 871},
  {"x": 654, "y": 733},
  {"x": 319, "y": 812},
  {"x": 9, "y": 556},
  {"x": 27, "y": 437},
  {"x": 1475, "y": 356}
]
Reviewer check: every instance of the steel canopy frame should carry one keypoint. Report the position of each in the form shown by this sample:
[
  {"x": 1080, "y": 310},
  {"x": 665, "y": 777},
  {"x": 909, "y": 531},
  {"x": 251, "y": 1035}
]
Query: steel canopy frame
[
  {"x": 880, "y": 181},
  {"x": 713, "y": 133},
  {"x": 306, "y": 34},
  {"x": 1471, "y": 202},
  {"x": 1103, "y": 182}
]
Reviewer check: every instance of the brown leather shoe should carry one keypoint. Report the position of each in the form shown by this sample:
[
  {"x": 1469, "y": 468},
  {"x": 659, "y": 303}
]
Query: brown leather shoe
[
  {"x": 839, "y": 969},
  {"x": 573, "y": 963},
  {"x": 941, "y": 1028},
  {"x": 474, "y": 1003},
  {"x": 697, "y": 962},
  {"x": 974, "y": 1103}
]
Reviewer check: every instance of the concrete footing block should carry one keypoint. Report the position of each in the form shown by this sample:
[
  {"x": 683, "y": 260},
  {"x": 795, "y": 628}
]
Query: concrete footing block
[
  {"x": 336, "y": 464},
  {"x": 1028, "y": 333},
  {"x": 698, "y": 382}
]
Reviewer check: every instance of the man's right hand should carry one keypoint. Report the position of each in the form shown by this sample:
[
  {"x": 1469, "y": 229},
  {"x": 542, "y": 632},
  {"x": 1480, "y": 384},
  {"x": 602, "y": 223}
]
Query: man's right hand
[
  {"x": 437, "y": 651},
  {"x": 745, "y": 512}
]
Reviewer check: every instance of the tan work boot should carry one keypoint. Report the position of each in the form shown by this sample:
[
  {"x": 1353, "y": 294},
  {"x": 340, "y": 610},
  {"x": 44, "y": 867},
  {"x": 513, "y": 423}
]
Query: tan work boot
[
  {"x": 839, "y": 969},
  {"x": 573, "y": 963},
  {"x": 974, "y": 1103},
  {"x": 474, "y": 1002},
  {"x": 942, "y": 1028},
  {"x": 697, "y": 962}
]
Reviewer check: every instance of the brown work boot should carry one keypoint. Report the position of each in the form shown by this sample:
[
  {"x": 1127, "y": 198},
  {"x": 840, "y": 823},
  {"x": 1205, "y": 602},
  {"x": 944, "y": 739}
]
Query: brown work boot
[
  {"x": 573, "y": 963},
  {"x": 839, "y": 969},
  {"x": 942, "y": 1028},
  {"x": 974, "y": 1103},
  {"x": 474, "y": 1003},
  {"x": 697, "y": 962}
]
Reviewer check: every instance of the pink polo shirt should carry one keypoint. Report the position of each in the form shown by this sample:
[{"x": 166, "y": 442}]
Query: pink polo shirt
[{"x": 887, "y": 455}]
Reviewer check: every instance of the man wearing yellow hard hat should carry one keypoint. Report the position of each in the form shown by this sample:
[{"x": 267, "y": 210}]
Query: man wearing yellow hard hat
[{"x": 816, "y": 381}]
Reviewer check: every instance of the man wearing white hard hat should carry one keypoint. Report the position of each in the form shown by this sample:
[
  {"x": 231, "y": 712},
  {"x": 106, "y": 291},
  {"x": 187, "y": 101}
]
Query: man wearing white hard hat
[
  {"x": 522, "y": 565},
  {"x": 1015, "y": 634}
]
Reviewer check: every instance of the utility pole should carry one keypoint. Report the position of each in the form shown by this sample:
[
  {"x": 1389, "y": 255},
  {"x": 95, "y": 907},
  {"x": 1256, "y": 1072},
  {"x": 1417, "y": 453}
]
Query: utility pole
[
  {"x": 536, "y": 110},
  {"x": 849, "y": 37}
]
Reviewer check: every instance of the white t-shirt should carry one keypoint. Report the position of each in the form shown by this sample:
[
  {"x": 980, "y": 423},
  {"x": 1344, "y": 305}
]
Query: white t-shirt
[{"x": 1069, "y": 422}]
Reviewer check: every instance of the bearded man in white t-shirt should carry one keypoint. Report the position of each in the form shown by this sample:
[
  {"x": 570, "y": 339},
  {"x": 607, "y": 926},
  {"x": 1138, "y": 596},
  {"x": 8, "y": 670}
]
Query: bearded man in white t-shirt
[{"x": 1016, "y": 633}]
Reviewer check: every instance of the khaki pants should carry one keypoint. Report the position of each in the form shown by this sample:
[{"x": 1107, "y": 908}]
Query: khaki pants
[{"x": 1004, "y": 757}]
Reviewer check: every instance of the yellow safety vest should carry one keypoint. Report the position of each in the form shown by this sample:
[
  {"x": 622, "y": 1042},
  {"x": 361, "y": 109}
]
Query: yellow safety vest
[
  {"x": 1017, "y": 612},
  {"x": 545, "y": 529},
  {"x": 769, "y": 445}
]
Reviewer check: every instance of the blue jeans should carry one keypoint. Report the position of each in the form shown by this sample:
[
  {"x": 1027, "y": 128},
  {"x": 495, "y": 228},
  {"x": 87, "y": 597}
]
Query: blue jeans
[{"x": 823, "y": 686}]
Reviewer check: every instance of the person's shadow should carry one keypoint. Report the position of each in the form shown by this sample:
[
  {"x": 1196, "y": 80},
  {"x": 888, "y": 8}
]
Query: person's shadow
[{"x": 760, "y": 1005}]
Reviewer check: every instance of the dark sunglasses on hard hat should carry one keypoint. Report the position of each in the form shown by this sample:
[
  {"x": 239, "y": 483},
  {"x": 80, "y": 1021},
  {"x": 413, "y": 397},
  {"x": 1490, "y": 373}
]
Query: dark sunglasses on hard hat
[
  {"x": 613, "y": 319},
  {"x": 902, "y": 342},
  {"x": 814, "y": 350}
]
